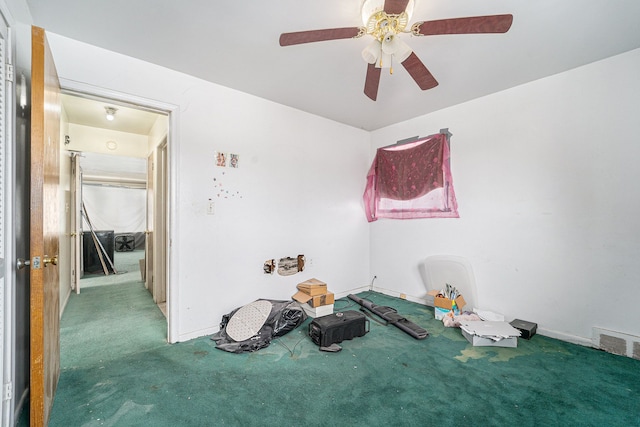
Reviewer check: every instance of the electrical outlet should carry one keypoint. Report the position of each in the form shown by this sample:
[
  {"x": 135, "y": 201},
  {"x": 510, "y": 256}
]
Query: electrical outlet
[{"x": 211, "y": 208}]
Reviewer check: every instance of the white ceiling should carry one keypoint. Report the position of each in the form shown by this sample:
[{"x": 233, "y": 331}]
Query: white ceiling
[
  {"x": 235, "y": 44},
  {"x": 91, "y": 112}
]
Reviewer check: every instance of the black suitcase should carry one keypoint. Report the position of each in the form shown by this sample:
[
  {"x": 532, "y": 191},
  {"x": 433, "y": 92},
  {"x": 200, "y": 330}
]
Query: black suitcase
[{"x": 337, "y": 327}]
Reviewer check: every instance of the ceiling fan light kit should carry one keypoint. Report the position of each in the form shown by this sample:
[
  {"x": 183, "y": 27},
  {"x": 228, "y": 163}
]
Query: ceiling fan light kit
[{"x": 385, "y": 20}]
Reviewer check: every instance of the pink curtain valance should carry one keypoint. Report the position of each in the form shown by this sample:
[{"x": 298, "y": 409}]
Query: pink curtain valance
[{"x": 411, "y": 181}]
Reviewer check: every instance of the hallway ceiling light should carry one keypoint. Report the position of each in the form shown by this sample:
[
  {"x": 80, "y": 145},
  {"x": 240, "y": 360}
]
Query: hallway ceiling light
[{"x": 111, "y": 113}]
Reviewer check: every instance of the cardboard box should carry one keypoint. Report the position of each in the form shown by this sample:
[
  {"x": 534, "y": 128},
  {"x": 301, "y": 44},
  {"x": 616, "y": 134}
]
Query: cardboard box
[
  {"x": 488, "y": 342},
  {"x": 527, "y": 329},
  {"x": 313, "y": 287},
  {"x": 323, "y": 310},
  {"x": 314, "y": 301},
  {"x": 446, "y": 303}
]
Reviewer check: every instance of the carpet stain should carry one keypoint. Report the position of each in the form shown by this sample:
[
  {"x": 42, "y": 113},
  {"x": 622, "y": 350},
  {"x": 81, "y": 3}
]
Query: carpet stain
[
  {"x": 555, "y": 347},
  {"x": 492, "y": 354}
]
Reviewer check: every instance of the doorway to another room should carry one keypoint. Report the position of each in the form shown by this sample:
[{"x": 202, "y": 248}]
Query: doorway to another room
[
  {"x": 112, "y": 204},
  {"x": 115, "y": 197}
]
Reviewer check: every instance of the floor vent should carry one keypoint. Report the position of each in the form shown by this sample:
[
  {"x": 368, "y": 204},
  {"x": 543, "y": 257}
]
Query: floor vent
[{"x": 616, "y": 342}]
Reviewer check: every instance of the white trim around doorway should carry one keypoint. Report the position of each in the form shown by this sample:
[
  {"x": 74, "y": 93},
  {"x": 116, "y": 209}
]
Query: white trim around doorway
[{"x": 172, "y": 111}]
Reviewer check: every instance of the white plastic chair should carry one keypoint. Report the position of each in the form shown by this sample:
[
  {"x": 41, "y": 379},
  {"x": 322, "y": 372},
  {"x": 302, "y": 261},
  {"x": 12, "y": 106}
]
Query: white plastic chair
[{"x": 454, "y": 270}]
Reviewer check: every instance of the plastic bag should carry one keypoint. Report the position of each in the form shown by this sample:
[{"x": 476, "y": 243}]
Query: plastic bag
[{"x": 285, "y": 316}]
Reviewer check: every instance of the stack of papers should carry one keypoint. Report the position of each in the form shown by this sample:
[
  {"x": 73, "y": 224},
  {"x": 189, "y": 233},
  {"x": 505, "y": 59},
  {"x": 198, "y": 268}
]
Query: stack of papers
[
  {"x": 489, "y": 315},
  {"x": 490, "y": 333}
]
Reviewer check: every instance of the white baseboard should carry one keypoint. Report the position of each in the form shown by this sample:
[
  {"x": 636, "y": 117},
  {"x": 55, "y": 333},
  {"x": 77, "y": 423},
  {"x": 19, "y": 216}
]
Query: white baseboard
[
  {"x": 565, "y": 337},
  {"x": 388, "y": 292},
  {"x": 587, "y": 342},
  {"x": 197, "y": 334},
  {"x": 401, "y": 295},
  {"x": 343, "y": 294}
]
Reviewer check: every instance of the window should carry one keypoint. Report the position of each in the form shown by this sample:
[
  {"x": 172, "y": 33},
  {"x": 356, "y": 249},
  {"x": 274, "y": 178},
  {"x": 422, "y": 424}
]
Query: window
[{"x": 411, "y": 180}]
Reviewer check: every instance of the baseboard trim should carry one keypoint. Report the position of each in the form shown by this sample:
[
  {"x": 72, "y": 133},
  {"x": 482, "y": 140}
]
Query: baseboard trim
[
  {"x": 586, "y": 342},
  {"x": 401, "y": 295},
  {"x": 352, "y": 291},
  {"x": 197, "y": 334}
]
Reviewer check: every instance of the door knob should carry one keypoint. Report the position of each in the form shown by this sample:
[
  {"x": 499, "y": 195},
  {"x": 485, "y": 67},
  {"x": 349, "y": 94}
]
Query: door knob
[
  {"x": 50, "y": 260},
  {"x": 22, "y": 263}
]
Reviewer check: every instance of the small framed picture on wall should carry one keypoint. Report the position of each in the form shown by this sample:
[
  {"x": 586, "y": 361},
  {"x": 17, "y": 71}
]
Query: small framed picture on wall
[
  {"x": 234, "y": 160},
  {"x": 221, "y": 159}
]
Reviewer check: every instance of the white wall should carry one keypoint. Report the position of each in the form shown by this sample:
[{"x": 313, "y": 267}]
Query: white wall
[
  {"x": 297, "y": 190},
  {"x": 546, "y": 176}
]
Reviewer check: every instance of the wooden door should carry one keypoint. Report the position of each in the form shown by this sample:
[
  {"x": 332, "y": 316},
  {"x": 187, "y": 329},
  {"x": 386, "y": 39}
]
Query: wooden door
[{"x": 45, "y": 294}]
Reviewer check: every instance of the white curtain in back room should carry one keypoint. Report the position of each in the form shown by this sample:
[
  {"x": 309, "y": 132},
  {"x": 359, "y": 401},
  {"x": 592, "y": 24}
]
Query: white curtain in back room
[{"x": 113, "y": 208}]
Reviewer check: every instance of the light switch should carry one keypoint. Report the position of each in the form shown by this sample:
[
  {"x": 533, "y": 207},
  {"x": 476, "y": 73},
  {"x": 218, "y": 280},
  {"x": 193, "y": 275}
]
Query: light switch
[{"x": 211, "y": 208}]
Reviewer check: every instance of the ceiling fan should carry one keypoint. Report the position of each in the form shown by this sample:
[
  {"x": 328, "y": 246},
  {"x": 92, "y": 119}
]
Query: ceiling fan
[{"x": 384, "y": 20}]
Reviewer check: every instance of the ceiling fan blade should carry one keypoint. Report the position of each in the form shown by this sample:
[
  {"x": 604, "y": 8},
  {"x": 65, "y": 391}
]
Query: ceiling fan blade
[
  {"x": 372, "y": 81},
  {"x": 419, "y": 72},
  {"x": 395, "y": 7},
  {"x": 472, "y": 25},
  {"x": 288, "y": 39}
]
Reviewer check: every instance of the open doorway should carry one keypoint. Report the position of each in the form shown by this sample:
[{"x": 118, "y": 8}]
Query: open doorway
[
  {"x": 112, "y": 190},
  {"x": 113, "y": 202}
]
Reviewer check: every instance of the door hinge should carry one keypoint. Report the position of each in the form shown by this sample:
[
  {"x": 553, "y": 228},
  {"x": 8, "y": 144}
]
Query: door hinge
[
  {"x": 10, "y": 72},
  {"x": 8, "y": 391}
]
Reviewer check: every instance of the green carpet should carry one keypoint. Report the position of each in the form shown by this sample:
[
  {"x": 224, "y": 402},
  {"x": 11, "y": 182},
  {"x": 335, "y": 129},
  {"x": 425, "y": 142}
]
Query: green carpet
[
  {"x": 127, "y": 266},
  {"x": 117, "y": 370}
]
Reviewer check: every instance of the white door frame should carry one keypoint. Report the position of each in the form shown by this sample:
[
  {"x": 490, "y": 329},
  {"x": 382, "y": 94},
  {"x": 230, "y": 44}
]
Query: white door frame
[
  {"x": 172, "y": 152},
  {"x": 7, "y": 236}
]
